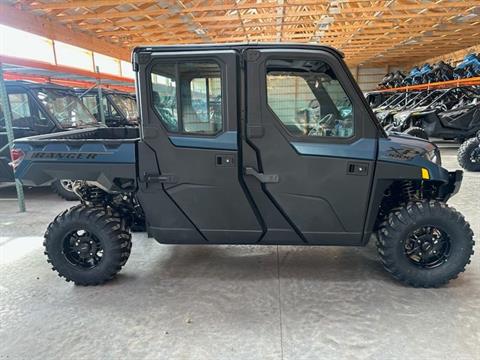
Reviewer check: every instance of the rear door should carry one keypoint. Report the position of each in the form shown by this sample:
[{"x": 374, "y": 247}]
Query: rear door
[
  {"x": 313, "y": 144},
  {"x": 188, "y": 158}
]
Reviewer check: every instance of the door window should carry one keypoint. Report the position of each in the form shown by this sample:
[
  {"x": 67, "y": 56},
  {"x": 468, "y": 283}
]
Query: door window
[
  {"x": 196, "y": 106},
  {"x": 20, "y": 107},
  {"x": 164, "y": 95},
  {"x": 308, "y": 99},
  {"x": 90, "y": 101},
  {"x": 26, "y": 114}
]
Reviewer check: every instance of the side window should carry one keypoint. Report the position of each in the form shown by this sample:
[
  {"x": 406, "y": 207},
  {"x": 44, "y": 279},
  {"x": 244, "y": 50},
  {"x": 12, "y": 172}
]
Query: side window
[
  {"x": 199, "y": 107},
  {"x": 308, "y": 99},
  {"x": 41, "y": 123},
  {"x": 108, "y": 109},
  {"x": 90, "y": 101},
  {"x": 164, "y": 95},
  {"x": 20, "y": 106}
]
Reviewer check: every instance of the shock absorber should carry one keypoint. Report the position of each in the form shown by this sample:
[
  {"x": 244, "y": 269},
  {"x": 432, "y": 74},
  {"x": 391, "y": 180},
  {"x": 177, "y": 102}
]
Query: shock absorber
[{"x": 409, "y": 191}]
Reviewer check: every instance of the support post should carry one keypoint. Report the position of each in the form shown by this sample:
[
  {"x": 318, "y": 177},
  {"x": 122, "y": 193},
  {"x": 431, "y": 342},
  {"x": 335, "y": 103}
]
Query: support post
[
  {"x": 10, "y": 136},
  {"x": 100, "y": 97}
]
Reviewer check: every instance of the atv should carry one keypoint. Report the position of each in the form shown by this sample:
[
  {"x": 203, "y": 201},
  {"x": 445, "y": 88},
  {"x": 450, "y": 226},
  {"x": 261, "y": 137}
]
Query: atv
[
  {"x": 468, "y": 67},
  {"x": 469, "y": 154},
  {"x": 441, "y": 71},
  {"x": 259, "y": 144}
]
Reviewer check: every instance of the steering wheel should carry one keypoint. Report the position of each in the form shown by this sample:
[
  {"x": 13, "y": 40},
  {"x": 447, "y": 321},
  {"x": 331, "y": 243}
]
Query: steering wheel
[{"x": 317, "y": 129}]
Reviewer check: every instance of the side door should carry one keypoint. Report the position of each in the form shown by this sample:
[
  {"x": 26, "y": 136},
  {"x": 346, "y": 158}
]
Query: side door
[
  {"x": 314, "y": 143},
  {"x": 188, "y": 157}
]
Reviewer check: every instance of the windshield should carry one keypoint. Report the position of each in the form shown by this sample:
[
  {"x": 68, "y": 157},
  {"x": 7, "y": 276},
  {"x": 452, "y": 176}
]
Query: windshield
[
  {"x": 65, "y": 107},
  {"x": 126, "y": 104}
]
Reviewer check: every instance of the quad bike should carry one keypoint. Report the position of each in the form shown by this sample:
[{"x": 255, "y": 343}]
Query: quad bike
[
  {"x": 441, "y": 71},
  {"x": 409, "y": 79},
  {"x": 385, "y": 83},
  {"x": 419, "y": 78},
  {"x": 392, "y": 80},
  {"x": 469, "y": 154},
  {"x": 469, "y": 67}
]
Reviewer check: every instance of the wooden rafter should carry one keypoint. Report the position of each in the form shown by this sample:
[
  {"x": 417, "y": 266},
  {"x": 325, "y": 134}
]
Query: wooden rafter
[{"x": 368, "y": 31}]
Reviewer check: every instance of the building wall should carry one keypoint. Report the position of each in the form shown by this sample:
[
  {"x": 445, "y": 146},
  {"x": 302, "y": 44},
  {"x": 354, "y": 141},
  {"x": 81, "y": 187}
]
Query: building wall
[{"x": 369, "y": 77}]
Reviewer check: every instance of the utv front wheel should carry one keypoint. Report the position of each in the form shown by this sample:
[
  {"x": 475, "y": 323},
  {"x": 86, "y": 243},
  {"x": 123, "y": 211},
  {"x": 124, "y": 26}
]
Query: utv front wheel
[
  {"x": 469, "y": 155},
  {"x": 425, "y": 244},
  {"x": 87, "y": 245},
  {"x": 417, "y": 132},
  {"x": 63, "y": 188}
]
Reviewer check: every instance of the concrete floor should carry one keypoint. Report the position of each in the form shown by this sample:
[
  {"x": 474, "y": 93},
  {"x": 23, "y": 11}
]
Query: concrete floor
[{"x": 230, "y": 302}]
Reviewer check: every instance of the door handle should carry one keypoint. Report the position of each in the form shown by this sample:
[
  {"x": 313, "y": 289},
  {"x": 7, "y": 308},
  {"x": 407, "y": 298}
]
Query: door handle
[
  {"x": 263, "y": 178},
  {"x": 357, "y": 168}
]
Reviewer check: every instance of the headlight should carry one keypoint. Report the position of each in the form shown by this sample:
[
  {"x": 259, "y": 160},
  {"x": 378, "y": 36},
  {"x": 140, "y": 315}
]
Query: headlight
[{"x": 434, "y": 156}]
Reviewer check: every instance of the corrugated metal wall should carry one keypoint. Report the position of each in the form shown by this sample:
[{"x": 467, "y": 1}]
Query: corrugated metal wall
[{"x": 369, "y": 77}]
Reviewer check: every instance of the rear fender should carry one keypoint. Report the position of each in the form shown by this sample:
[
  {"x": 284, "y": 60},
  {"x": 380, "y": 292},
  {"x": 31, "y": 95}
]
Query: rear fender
[{"x": 113, "y": 166}]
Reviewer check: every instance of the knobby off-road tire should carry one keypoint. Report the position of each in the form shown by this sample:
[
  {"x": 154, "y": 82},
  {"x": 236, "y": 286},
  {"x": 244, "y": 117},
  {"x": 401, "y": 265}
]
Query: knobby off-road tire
[
  {"x": 466, "y": 153},
  {"x": 419, "y": 257},
  {"x": 417, "y": 132},
  {"x": 63, "y": 191},
  {"x": 87, "y": 245}
]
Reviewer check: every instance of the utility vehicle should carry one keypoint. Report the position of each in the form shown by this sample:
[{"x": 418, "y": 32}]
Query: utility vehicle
[
  {"x": 41, "y": 109},
  {"x": 226, "y": 154},
  {"x": 448, "y": 114},
  {"x": 119, "y": 108}
]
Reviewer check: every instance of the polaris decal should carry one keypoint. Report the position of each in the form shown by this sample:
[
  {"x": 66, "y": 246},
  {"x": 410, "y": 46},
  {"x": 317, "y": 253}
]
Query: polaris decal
[
  {"x": 402, "y": 153},
  {"x": 41, "y": 155}
]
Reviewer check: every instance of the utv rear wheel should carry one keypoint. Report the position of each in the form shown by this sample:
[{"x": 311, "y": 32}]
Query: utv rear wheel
[
  {"x": 63, "y": 188},
  {"x": 425, "y": 244},
  {"x": 417, "y": 132},
  {"x": 87, "y": 245},
  {"x": 469, "y": 155}
]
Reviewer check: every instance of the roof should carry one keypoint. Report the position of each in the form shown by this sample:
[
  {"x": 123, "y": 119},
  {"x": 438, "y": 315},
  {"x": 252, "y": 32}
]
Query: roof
[
  {"x": 237, "y": 46},
  {"x": 369, "y": 32}
]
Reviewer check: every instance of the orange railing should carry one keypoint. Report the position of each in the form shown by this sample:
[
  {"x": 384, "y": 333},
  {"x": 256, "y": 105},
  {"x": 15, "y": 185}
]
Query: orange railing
[{"x": 26, "y": 69}]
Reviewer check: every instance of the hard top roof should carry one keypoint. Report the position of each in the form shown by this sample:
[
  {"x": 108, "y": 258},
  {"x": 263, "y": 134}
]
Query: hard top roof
[{"x": 237, "y": 47}]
